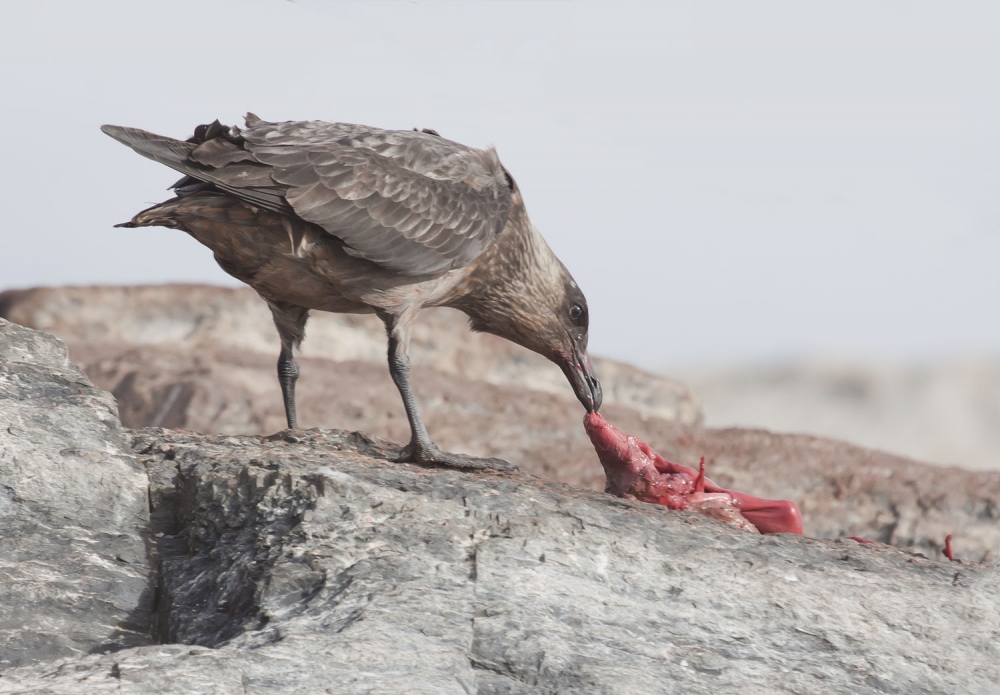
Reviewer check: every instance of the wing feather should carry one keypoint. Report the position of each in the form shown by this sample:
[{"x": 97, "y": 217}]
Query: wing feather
[{"x": 412, "y": 202}]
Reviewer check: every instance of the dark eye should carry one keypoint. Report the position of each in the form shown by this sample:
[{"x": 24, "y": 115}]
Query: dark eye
[
  {"x": 510, "y": 180},
  {"x": 576, "y": 314}
]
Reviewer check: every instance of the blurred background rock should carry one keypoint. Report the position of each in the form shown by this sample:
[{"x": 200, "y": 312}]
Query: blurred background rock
[
  {"x": 203, "y": 358},
  {"x": 945, "y": 412}
]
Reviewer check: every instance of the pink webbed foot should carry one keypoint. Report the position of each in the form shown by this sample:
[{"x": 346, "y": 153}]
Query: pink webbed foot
[{"x": 770, "y": 516}]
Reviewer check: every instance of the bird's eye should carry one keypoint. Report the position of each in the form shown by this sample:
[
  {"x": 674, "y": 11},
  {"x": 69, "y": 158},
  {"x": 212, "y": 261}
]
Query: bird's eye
[
  {"x": 510, "y": 180},
  {"x": 576, "y": 314}
]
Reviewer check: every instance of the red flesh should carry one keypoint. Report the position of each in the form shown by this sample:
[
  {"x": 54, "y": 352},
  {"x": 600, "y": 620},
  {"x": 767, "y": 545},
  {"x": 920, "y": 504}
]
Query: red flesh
[{"x": 635, "y": 471}]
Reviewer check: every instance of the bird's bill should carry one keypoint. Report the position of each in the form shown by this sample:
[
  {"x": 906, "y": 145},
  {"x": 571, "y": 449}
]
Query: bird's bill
[{"x": 580, "y": 373}]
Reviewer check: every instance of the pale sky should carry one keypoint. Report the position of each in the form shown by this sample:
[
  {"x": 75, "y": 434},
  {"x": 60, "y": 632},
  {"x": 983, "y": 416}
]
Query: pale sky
[{"x": 728, "y": 181}]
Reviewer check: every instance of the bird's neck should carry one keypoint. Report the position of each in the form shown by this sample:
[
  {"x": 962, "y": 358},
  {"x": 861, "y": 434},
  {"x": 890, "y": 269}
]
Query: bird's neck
[{"x": 507, "y": 290}]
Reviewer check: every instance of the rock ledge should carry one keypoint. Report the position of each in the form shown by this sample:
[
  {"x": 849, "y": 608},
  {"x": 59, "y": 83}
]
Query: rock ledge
[{"x": 307, "y": 562}]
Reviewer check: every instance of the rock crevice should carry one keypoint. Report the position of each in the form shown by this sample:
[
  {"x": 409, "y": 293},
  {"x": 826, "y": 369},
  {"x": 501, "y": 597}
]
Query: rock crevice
[{"x": 215, "y": 538}]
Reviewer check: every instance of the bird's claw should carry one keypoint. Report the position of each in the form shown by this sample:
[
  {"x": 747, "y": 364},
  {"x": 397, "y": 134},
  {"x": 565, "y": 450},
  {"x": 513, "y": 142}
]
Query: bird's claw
[{"x": 432, "y": 456}]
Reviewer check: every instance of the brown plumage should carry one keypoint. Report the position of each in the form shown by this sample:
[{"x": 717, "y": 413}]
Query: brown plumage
[{"x": 352, "y": 219}]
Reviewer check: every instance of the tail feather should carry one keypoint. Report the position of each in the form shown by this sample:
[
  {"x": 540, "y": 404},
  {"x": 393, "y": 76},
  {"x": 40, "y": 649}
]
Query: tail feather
[
  {"x": 159, "y": 148},
  {"x": 234, "y": 177}
]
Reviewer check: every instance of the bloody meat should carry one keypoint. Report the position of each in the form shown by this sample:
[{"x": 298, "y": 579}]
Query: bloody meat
[{"x": 634, "y": 471}]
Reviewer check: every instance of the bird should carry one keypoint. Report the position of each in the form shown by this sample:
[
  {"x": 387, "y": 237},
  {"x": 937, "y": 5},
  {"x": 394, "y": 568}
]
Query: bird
[{"x": 347, "y": 218}]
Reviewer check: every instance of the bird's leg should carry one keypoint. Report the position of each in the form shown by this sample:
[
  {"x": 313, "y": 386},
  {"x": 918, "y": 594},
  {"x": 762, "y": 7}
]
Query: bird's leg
[
  {"x": 288, "y": 374},
  {"x": 421, "y": 449},
  {"x": 290, "y": 320}
]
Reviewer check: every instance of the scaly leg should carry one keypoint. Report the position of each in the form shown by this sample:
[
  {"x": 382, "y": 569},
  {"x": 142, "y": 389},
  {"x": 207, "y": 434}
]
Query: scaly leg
[
  {"x": 290, "y": 320},
  {"x": 288, "y": 374},
  {"x": 421, "y": 449}
]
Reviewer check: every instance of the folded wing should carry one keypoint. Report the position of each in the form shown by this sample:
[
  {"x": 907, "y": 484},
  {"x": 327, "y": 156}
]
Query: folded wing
[{"x": 411, "y": 202}]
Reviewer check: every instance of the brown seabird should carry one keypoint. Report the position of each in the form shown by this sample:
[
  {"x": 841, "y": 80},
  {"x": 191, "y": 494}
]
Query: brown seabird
[{"x": 353, "y": 219}]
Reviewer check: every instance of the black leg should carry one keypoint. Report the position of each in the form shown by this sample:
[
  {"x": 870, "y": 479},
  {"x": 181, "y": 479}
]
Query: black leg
[
  {"x": 290, "y": 320},
  {"x": 288, "y": 374},
  {"x": 399, "y": 368},
  {"x": 421, "y": 449}
]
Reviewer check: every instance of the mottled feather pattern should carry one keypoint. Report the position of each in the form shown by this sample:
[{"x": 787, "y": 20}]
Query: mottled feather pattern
[
  {"x": 219, "y": 152},
  {"x": 445, "y": 222},
  {"x": 412, "y": 202}
]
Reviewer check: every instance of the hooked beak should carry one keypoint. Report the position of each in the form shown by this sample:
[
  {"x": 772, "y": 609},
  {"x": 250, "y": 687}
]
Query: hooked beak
[{"x": 580, "y": 373}]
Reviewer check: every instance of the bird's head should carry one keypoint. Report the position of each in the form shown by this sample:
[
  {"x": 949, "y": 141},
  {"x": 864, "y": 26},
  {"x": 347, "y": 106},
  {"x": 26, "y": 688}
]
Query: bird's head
[
  {"x": 565, "y": 343},
  {"x": 525, "y": 294}
]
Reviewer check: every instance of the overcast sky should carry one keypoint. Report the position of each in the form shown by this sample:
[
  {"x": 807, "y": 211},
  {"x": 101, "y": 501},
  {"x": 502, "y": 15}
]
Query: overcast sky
[{"x": 728, "y": 181}]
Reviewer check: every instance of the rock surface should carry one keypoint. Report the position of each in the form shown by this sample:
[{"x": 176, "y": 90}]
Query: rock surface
[
  {"x": 306, "y": 562},
  {"x": 312, "y": 565},
  {"x": 73, "y": 510}
]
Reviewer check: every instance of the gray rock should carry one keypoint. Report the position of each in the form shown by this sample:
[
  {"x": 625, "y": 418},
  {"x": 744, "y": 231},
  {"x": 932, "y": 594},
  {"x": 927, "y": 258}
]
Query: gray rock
[
  {"x": 73, "y": 510},
  {"x": 307, "y": 563}
]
